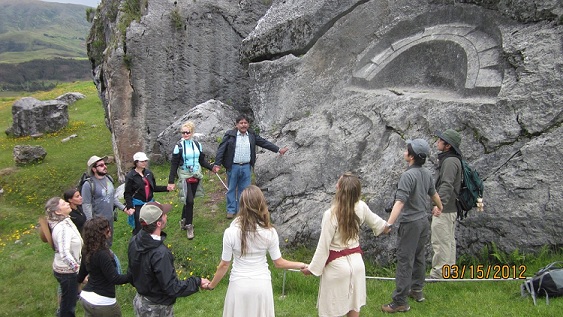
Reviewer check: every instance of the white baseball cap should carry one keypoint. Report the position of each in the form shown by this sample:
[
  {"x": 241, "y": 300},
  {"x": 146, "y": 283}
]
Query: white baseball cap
[{"x": 140, "y": 156}]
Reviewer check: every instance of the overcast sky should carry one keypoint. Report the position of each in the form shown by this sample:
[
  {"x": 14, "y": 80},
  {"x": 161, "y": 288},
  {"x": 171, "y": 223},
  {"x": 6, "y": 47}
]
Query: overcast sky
[{"x": 90, "y": 3}]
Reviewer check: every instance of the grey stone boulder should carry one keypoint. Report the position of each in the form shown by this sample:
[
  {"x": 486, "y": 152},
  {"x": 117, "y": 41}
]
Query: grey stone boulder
[
  {"x": 292, "y": 27},
  {"x": 27, "y": 154},
  {"x": 70, "y": 97},
  {"x": 211, "y": 118},
  {"x": 31, "y": 116}
]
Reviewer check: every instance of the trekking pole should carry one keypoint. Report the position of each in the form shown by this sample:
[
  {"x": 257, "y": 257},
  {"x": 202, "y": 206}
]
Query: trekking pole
[{"x": 219, "y": 177}]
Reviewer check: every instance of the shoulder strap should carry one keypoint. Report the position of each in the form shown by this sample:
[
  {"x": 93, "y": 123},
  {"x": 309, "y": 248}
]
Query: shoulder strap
[{"x": 92, "y": 188}]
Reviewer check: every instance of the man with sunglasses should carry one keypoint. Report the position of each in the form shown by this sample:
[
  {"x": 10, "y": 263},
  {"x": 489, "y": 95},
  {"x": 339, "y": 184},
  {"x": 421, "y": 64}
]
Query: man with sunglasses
[{"x": 98, "y": 193}]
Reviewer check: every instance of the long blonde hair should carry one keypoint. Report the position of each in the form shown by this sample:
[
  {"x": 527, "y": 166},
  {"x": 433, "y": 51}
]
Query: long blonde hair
[
  {"x": 347, "y": 195},
  {"x": 253, "y": 211}
]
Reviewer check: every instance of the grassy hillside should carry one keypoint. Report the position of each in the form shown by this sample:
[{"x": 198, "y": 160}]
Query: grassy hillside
[{"x": 32, "y": 29}]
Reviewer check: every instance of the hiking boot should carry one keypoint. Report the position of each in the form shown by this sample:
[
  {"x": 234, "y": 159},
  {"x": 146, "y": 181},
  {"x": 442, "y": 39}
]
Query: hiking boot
[
  {"x": 393, "y": 308},
  {"x": 417, "y": 295},
  {"x": 190, "y": 229},
  {"x": 183, "y": 224},
  {"x": 230, "y": 216}
]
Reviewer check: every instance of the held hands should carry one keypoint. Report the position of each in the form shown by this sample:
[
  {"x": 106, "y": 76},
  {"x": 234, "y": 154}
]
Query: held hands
[
  {"x": 305, "y": 269},
  {"x": 170, "y": 187},
  {"x": 283, "y": 150},
  {"x": 129, "y": 211},
  {"x": 205, "y": 284}
]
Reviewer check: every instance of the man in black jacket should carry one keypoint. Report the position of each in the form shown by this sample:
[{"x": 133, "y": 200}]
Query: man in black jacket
[
  {"x": 151, "y": 265},
  {"x": 237, "y": 153}
]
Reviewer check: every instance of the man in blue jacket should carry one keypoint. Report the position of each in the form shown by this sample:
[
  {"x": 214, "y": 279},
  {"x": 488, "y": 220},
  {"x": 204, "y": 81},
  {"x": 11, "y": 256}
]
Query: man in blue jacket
[
  {"x": 237, "y": 153},
  {"x": 151, "y": 265}
]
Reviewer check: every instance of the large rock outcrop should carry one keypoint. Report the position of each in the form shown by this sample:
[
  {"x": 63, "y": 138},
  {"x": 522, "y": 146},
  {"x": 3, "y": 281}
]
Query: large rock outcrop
[
  {"x": 173, "y": 56},
  {"x": 345, "y": 83},
  {"x": 391, "y": 70},
  {"x": 31, "y": 116}
]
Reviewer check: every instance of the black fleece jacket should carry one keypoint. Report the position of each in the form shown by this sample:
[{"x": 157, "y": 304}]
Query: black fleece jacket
[
  {"x": 135, "y": 187},
  {"x": 151, "y": 265},
  {"x": 103, "y": 276}
]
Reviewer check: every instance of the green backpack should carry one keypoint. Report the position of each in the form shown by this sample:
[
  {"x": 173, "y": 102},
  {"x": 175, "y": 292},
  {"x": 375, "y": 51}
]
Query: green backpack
[{"x": 471, "y": 190}]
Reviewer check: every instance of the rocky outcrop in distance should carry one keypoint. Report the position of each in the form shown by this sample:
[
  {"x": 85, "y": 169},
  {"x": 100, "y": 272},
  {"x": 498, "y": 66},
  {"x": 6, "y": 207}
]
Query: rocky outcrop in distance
[
  {"x": 31, "y": 116},
  {"x": 344, "y": 84}
]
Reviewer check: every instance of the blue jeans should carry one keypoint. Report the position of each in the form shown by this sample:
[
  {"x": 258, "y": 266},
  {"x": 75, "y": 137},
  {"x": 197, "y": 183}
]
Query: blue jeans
[
  {"x": 239, "y": 178},
  {"x": 69, "y": 293}
]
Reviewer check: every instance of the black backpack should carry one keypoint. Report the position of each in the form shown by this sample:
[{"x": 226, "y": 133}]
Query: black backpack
[
  {"x": 471, "y": 190},
  {"x": 547, "y": 282},
  {"x": 88, "y": 178}
]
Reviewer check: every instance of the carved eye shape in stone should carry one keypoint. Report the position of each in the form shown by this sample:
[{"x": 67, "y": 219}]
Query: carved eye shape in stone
[{"x": 458, "y": 57}]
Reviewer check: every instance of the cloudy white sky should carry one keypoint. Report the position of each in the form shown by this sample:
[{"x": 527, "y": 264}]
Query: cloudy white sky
[{"x": 90, "y": 3}]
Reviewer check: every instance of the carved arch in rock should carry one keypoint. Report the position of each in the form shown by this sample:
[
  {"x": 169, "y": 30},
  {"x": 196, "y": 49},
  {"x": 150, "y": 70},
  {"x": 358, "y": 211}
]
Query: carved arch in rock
[{"x": 482, "y": 74}]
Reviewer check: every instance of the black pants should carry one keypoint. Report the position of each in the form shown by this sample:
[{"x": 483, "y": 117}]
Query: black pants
[
  {"x": 188, "y": 210},
  {"x": 137, "y": 222},
  {"x": 69, "y": 293}
]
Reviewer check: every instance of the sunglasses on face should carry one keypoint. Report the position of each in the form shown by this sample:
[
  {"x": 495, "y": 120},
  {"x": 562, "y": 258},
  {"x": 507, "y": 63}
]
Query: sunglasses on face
[
  {"x": 186, "y": 132},
  {"x": 101, "y": 165}
]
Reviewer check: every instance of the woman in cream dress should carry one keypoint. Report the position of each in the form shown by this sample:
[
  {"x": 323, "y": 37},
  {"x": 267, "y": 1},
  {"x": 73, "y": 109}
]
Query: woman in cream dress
[
  {"x": 338, "y": 257},
  {"x": 247, "y": 240}
]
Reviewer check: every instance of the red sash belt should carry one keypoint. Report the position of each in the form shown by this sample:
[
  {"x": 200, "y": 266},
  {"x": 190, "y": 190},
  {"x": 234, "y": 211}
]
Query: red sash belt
[{"x": 333, "y": 255}]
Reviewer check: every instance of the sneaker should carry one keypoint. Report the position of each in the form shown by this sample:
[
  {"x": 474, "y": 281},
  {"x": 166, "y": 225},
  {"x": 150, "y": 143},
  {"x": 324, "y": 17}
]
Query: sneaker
[
  {"x": 431, "y": 279},
  {"x": 183, "y": 224},
  {"x": 190, "y": 229},
  {"x": 393, "y": 308},
  {"x": 417, "y": 295},
  {"x": 230, "y": 216}
]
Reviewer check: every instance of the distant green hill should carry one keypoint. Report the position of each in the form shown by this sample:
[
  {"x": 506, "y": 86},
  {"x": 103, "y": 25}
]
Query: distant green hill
[
  {"x": 32, "y": 29},
  {"x": 42, "y": 44}
]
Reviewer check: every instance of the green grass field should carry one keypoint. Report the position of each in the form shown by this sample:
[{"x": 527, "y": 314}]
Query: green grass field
[{"x": 29, "y": 288}]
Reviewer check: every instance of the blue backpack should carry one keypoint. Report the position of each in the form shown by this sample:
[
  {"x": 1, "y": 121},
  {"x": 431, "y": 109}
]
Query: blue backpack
[{"x": 471, "y": 190}]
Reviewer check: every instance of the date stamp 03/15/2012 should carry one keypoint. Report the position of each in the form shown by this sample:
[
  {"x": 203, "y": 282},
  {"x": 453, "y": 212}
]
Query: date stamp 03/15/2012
[{"x": 484, "y": 272}]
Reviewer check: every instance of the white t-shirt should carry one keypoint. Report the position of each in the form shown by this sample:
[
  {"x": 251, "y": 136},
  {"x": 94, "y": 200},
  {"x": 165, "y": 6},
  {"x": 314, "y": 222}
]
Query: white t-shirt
[{"x": 253, "y": 265}]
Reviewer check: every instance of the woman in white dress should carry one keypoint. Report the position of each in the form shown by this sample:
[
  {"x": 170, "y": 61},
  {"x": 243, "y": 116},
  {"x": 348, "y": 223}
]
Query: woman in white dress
[
  {"x": 247, "y": 240},
  {"x": 338, "y": 257}
]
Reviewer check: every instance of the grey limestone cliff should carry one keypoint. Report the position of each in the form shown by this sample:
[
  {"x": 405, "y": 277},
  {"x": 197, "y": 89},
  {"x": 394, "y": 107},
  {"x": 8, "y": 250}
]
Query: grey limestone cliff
[{"x": 345, "y": 83}]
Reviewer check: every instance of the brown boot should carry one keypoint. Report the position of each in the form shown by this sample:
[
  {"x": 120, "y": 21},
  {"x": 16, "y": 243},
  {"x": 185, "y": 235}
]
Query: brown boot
[{"x": 393, "y": 308}]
